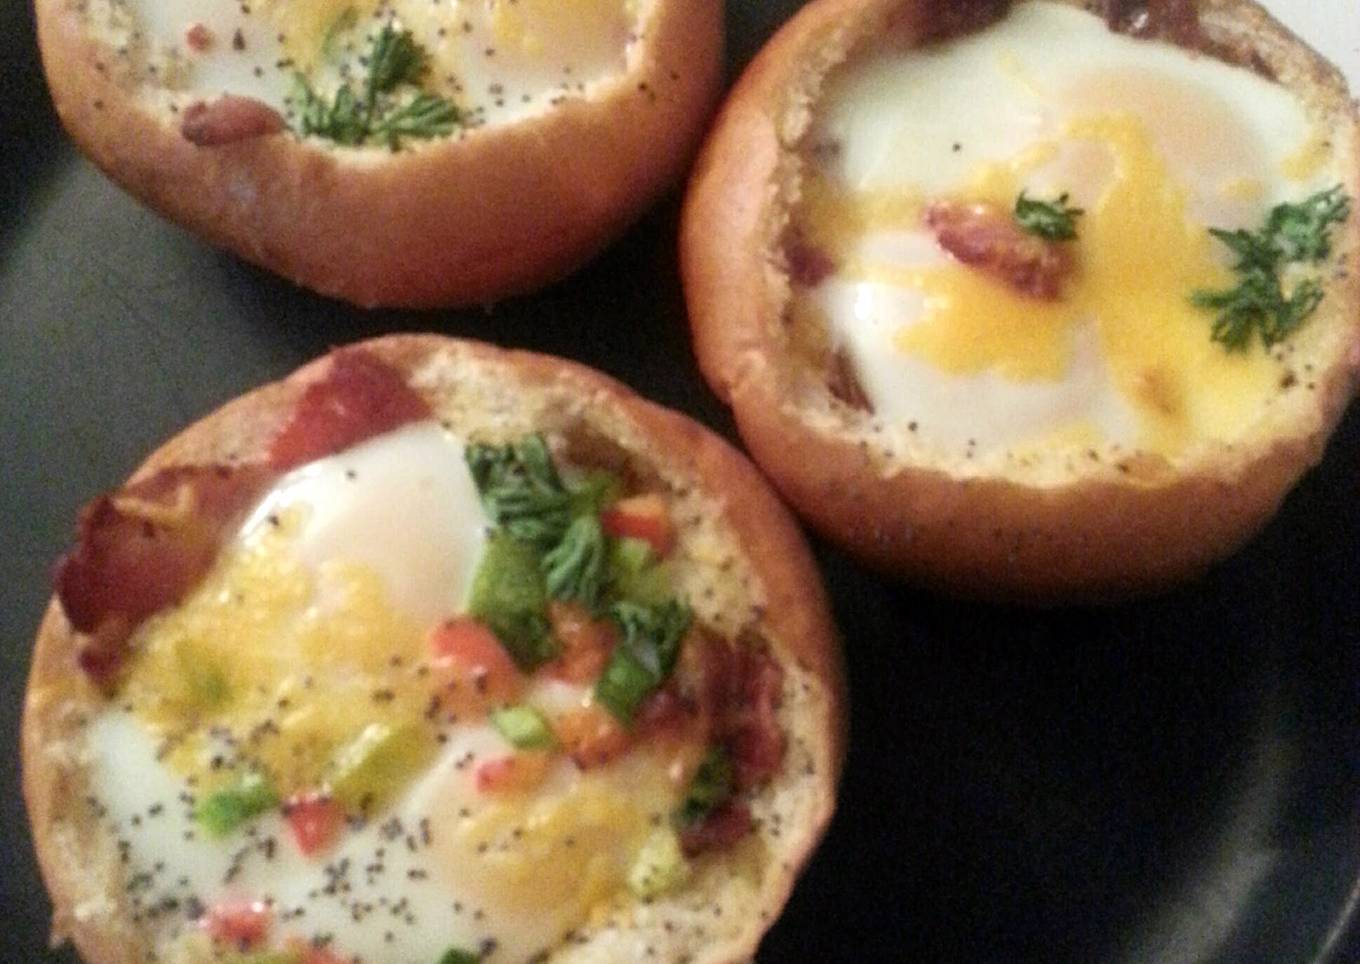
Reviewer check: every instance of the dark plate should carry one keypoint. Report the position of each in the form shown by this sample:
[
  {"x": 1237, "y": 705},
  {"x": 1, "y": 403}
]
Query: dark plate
[{"x": 1175, "y": 780}]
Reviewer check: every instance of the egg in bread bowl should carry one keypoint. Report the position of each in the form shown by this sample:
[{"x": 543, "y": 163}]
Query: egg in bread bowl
[
  {"x": 395, "y": 153},
  {"x": 432, "y": 652},
  {"x": 1039, "y": 301}
]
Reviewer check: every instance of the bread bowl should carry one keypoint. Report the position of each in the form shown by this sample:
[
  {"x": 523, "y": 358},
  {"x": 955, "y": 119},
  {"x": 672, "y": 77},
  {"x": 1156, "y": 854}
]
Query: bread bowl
[
  {"x": 995, "y": 429},
  {"x": 502, "y": 144},
  {"x": 312, "y": 696}
]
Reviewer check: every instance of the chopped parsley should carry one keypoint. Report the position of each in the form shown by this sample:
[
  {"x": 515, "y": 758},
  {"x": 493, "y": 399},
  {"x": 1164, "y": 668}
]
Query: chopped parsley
[
  {"x": 644, "y": 657},
  {"x": 712, "y": 786},
  {"x": 1050, "y": 220},
  {"x": 521, "y": 490},
  {"x": 384, "y": 110},
  {"x": 549, "y": 544},
  {"x": 226, "y": 810},
  {"x": 1293, "y": 234},
  {"x": 575, "y": 568},
  {"x": 524, "y": 727},
  {"x": 508, "y": 595},
  {"x": 456, "y": 955}
]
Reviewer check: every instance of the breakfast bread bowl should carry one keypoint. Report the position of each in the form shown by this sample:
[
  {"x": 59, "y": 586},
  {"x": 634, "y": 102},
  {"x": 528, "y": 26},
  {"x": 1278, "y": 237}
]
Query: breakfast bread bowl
[
  {"x": 1032, "y": 515},
  {"x": 514, "y": 170},
  {"x": 734, "y": 558}
]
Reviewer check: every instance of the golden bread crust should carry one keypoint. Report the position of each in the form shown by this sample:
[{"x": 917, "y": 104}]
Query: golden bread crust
[
  {"x": 793, "y": 614},
  {"x": 1101, "y": 532},
  {"x": 490, "y": 212}
]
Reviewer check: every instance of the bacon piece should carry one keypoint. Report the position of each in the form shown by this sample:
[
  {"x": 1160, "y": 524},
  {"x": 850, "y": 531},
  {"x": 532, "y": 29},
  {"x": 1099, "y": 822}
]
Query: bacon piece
[
  {"x": 987, "y": 238},
  {"x": 721, "y": 828},
  {"x": 945, "y": 19},
  {"x": 809, "y": 265},
  {"x": 1174, "y": 20},
  {"x": 754, "y": 738},
  {"x": 143, "y": 547},
  {"x": 359, "y": 398},
  {"x": 843, "y": 382},
  {"x": 198, "y": 37},
  {"x": 227, "y": 120},
  {"x": 1178, "y": 22},
  {"x": 956, "y": 17},
  {"x": 740, "y": 693},
  {"x": 665, "y": 713}
]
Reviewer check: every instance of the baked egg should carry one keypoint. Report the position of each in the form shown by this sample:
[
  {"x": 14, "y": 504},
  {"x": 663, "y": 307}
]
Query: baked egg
[
  {"x": 494, "y": 61},
  {"x": 294, "y": 764},
  {"x": 1148, "y": 148}
]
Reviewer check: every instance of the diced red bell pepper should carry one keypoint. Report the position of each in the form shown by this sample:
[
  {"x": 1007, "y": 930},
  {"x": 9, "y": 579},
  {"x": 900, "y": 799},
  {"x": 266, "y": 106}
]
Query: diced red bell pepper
[
  {"x": 242, "y": 924},
  {"x": 520, "y": 771},
  {"x": 319, "y": 955},
  {"x": 315, "y": 819},
  {"x": 592, "y": 736},
  {"x": 308, "y": 953},
  {"x": 641, "y": 517},
  {"x": 480, "y": 668},
  {"x": 586, "y": 643}
]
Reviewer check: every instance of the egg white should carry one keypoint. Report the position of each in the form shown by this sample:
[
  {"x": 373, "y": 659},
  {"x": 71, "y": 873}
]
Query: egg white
[
  {"x": 402, "y": 504},
  {"x": 445, "y": 863},
  {"x": 495, "y": 75}
]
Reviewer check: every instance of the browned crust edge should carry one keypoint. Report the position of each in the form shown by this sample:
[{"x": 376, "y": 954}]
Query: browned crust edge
[
  {"x": 797, "y": 614},
  {"x": 503, "y": 210},
  {"x": 1098, "y": 539}
]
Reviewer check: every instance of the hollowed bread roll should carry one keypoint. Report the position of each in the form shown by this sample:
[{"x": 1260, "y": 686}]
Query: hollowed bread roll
[{"x": 396, "y": 153}]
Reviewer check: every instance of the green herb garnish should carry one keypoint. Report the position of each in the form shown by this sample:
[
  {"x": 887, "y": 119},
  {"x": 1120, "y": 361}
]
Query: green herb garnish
[
  {"x": 378, "y": 112},
  {"x": 521, "y": 490},
  {"x": 575, "y": 568},
  {"x": 222, "y": 812},
  {"x": 524, "y": 727},
  {"x": 1293, "y": 234},
  {"x": 712, "y": 786},
  {"x": 644, "y": 657},
  {"x": 509, "y": 595},
  {"x": 349, "y": 17},
  {"x": 456, "y": 955},
  {"x": 1050, "y": 220}
]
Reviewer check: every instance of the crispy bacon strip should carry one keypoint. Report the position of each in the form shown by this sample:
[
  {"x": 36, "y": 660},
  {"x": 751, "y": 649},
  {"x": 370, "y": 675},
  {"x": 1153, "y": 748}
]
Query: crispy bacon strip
[
  {"x": 721, "y": 828},
  {"x": 984, "y": 237},
  {"x": 1178, "y": 22},
  {"x": 359, "y": 398},
  {"x": 809, "y": 265},
  {"x": 227, "y": 120},
  {"x": 144, "y": 547},
  {"x": 741, "y": 692}
]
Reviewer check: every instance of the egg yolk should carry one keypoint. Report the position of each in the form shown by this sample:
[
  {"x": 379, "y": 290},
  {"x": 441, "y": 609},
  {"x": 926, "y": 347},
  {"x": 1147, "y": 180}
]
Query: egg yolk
[
  {"x": 267, "y": 658},
  {"x": 529, "y": 27},
  {"x": 562, "y": 853},
  {"x": 1138, "y": 257}
]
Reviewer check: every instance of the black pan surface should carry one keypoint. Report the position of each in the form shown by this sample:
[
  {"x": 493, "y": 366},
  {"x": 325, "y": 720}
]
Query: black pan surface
[{"x": 1175, "y": 780}]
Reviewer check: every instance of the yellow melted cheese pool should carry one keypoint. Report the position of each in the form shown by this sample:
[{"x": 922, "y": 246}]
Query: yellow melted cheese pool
[
  {"x": 310, "y": 632},
  {"x": 1154, "y": 144}
]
